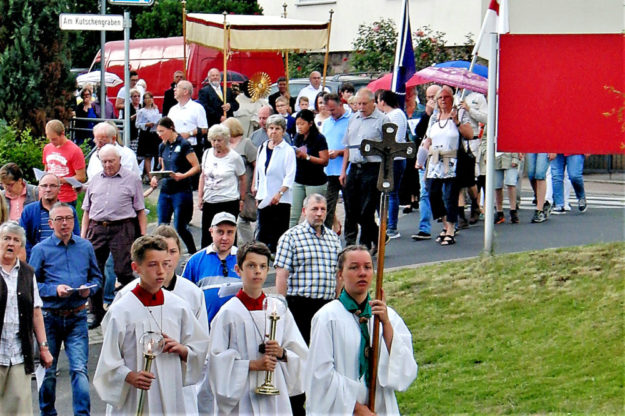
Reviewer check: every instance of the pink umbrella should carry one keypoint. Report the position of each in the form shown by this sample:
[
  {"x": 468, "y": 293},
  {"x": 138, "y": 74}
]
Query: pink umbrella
[
  {"x": 384, "y": 83},
  {"x": 455, "y": 77}
]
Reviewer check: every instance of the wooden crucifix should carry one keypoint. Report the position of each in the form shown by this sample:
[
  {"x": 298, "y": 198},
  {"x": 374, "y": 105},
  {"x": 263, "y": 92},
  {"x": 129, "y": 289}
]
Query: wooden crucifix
[{"x": 388, "y": 149}]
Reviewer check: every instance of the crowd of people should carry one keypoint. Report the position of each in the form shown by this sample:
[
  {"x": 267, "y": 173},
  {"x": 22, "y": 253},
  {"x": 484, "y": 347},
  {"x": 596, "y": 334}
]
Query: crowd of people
[{"x": 272, "y": 193}]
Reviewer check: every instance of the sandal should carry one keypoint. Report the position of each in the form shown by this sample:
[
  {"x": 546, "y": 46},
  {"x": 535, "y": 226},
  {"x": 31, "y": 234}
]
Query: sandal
[
  {"x": 441, "y": 236},
  {"x": 448, "y": 240}
]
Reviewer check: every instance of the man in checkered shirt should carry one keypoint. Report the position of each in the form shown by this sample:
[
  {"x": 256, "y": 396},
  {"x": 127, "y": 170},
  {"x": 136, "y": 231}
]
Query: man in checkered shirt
[{"x": 306, "y": 264}]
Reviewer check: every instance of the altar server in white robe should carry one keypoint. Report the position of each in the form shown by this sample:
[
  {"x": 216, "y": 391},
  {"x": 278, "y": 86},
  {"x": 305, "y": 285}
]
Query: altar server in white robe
[
  {"x": 237, "y": 366},
  {"x": 119, "y": 376},
  {"x": 185, "y": 290},
  {"x": 338, "y": 368}
]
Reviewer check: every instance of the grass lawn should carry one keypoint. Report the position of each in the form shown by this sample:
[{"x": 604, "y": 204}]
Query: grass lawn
[
  {"x": 531, "y": 333},
  {"x": 149, "y": 204}
]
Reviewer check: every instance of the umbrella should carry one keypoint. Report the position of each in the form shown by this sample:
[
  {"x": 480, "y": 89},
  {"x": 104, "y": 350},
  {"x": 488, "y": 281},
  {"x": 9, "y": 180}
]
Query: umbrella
[
  {"x": 233, "y": 76},
  {"x": 455, "y": 77},
  {"x": 110, "y": 79},
  {"x": 478, "y": 69},
  {"x": 384, "y": 83}
]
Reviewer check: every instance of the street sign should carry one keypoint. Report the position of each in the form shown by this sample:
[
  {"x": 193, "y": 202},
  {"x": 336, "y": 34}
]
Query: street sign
[
  {"x": 110, "y": 22},
  {"x": 131, "y": 2}
]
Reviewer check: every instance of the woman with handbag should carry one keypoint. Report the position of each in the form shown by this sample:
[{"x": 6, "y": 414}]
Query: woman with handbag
[{"x": 444, "y": 133}]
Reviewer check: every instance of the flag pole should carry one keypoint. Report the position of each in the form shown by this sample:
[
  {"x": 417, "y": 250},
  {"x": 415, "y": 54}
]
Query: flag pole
[
  {"x": 226, "y": 51},
  {"x": 327, "y": 55},
  {"x": 489, "y": 200}
]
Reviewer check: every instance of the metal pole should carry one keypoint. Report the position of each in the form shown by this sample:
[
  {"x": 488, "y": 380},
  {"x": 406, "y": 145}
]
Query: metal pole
[
  {"x": 286, "y": 63},
  {"x": 489, "y": 200},
  {"x": 327, "y": 55},
  {"x": 127, "y": 24},
  {"x": 102, "y": 64}
]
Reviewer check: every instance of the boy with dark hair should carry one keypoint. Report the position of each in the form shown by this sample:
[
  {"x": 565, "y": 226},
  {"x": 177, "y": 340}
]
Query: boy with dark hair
[
  {"x": 148, "y": 308},
  {"x": 240, "y": 353}
]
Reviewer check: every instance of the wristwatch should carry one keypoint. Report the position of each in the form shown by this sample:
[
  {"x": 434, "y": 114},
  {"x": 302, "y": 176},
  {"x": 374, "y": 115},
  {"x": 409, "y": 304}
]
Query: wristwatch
[
  {"x": 281, "y": 193},
  {"x": 44, "y": 344},
  {"x": 307, "y": 157}
]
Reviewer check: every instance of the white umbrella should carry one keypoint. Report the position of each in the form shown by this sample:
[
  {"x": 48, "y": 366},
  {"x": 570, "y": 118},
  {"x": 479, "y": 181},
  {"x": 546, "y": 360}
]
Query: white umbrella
[{"x": 110, "y": 79}]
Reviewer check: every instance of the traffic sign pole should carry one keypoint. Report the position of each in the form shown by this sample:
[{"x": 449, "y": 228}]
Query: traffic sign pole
[{"x": 127, "y": 24}]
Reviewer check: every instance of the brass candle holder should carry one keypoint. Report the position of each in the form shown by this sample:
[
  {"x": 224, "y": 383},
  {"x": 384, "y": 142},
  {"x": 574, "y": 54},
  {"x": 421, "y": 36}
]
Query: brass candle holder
[
  {"x": 152, "y": 346},
  {"x": 277, "y": 306}
]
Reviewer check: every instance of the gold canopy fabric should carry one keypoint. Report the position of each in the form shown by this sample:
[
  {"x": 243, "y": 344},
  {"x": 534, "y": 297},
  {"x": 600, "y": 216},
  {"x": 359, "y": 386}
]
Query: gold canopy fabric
[{"x": 256, "y": 33}]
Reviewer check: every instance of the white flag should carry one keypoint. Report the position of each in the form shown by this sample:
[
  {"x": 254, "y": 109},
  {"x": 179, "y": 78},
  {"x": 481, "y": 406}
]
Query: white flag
[{"x": 495, "y": 21}]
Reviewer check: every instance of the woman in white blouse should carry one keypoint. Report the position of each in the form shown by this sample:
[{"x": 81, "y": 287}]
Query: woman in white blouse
[{"x": 273, "y": 182}]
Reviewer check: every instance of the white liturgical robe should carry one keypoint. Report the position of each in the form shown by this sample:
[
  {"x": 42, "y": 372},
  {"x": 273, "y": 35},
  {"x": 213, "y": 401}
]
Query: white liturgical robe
[
  {"x": 125, "y": 322},
  {"x": 332, "y": 380},
  {"x": 193, "y": 295},
  {"x": 235, "y": 337}
]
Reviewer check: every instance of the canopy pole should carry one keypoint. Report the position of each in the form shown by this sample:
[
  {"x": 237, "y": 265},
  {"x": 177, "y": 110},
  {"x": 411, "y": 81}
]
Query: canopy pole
[
  {"x": 225, "y": 87},
  {"x": 327, "y": 57},
  {"x": 286, "y": 62},
  {"x": 184, "y": 37}
]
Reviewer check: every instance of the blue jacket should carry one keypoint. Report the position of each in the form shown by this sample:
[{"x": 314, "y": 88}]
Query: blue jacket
[{"x": 31, "y": 222}]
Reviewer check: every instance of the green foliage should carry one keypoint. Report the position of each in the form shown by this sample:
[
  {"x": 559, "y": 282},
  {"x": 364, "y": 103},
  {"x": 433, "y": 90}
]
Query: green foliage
[
  {"x": 529, "y": 333},
  {"x": 302, "y": 64},
  {"x": 430, "y": 48},
  {"x": 34, "y": 81},
  {"x": 164, "y": 19},
  {"x": 21, "y": 147},
  {"x": 374, "y": 47}
]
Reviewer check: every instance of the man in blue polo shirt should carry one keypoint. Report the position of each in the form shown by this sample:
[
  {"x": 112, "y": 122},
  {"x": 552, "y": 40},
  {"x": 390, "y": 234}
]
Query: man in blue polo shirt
[
  {"x": 334, "y": 130},
  {"x": 212, "y": 268}
]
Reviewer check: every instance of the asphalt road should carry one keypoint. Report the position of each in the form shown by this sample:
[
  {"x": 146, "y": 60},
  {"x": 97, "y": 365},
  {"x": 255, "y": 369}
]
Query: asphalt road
[{"x": 602, "y": 222}]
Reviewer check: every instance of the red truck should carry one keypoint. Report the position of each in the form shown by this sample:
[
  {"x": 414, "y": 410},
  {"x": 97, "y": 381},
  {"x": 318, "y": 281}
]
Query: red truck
[{"x": 157, "y": 59}]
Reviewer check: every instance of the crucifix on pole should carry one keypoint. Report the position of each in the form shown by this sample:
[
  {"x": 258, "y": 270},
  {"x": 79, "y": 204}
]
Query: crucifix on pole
[{"x": 388, "y": 149}]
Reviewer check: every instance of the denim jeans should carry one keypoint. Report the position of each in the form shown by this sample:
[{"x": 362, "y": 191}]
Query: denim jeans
[
  {"x": 180, "y": 205},
  {"x": 393, "y": 198},
  {"x": 574, "y": 164},
  {"x": 109, "y": 281},
  {"x": 537, "y": 164},
  {"x": 425, "y": 212},
  {"x": 73, "y": 332}
]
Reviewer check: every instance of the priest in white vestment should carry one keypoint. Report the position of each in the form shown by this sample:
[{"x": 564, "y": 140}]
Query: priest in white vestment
[
  {"x": 237, "y": 366},
  {"x": 338, "y": 367},
  {"x": 119, "y": 378}
]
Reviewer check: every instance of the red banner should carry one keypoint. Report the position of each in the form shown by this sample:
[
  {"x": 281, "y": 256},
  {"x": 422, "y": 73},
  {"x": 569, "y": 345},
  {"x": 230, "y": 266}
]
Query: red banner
[{"x": 562, "y": 93}]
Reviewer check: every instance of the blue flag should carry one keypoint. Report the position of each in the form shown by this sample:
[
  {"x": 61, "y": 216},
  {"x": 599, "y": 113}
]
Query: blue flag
[{"x": 404, "y": 67}]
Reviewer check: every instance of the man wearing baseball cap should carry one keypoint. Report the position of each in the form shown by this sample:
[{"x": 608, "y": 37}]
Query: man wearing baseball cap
[{"x": 212, "y": 268}]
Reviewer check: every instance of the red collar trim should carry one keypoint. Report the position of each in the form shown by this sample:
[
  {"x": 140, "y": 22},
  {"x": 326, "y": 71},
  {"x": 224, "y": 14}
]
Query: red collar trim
[
  {"x": 147, "y": 298},
  {"x": 250, "y": 303}
]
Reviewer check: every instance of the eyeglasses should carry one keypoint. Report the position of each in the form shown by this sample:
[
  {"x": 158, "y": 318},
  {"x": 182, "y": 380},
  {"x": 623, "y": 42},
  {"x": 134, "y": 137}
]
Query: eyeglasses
[
  {"x": 69, "y": 218},
  {"x": 224, "y": 268}
]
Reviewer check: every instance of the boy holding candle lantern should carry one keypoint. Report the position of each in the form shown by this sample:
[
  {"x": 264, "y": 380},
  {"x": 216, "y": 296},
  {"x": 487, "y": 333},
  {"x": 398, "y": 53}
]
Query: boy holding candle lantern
[
  {"x": 166, "y": 318},
  {"x": 250, "y": 344}
]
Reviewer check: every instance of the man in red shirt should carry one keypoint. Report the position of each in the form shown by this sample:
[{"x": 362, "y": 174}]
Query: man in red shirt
[{"x": 64, "y": 159}]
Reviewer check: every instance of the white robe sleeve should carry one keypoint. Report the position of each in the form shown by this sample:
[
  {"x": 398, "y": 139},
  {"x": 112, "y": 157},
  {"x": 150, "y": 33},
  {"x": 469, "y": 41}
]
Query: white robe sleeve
[
  {"x": 228, "y": 372},
  {"x": 327, "y": 390},
  {"x": 296, "y": 353},
  {"x": 110, "y": 375},
  {"x": 398, "y": 369},
  {"x": 193, "y": 335}
]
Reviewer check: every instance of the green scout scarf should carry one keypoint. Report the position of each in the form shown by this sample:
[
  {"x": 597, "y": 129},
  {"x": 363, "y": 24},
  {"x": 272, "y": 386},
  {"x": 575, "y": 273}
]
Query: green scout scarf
[{"x": 363, "y": 359}]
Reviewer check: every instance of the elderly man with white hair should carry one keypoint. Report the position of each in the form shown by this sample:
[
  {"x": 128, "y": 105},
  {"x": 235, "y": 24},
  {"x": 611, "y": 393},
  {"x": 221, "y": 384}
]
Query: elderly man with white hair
[
  {"x": 106, "y": 133},
  {"x": 211, "y": 97},
  {"x": 113, "y": 217}
]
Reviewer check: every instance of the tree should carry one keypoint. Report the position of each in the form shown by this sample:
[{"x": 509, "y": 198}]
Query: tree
[
  {"x": 374, "y": 47},
  {"x": 429, "y": 48},
  {"x": 164, "y": 19},
  {"x": 35, "y": 82}
]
